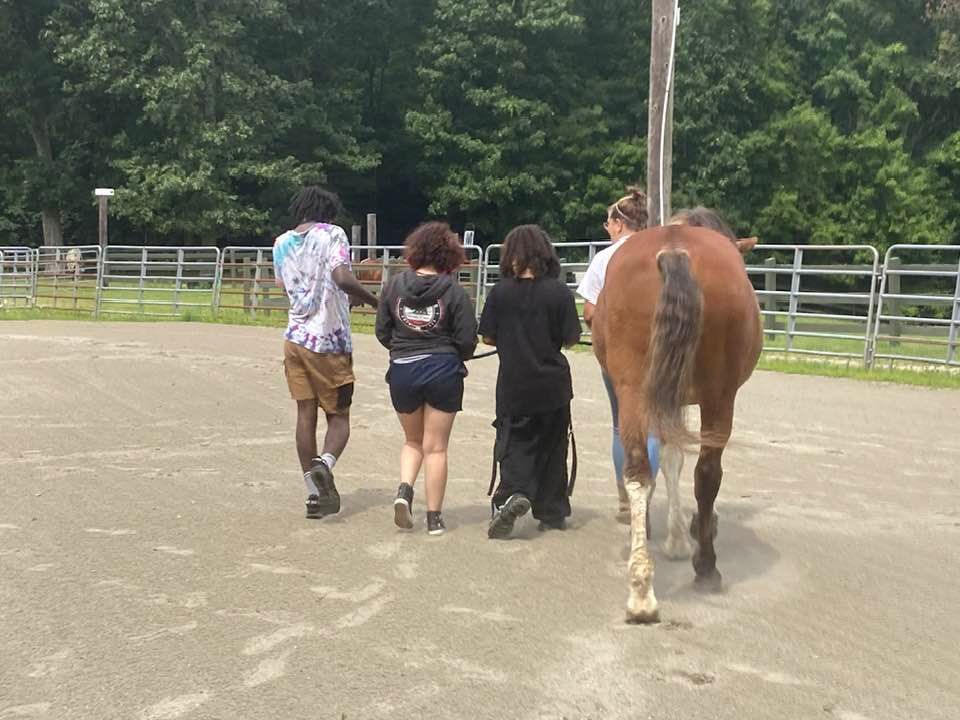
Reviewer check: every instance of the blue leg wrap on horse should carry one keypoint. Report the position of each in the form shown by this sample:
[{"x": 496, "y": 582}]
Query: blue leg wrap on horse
[{"x": 653, "y": 454}]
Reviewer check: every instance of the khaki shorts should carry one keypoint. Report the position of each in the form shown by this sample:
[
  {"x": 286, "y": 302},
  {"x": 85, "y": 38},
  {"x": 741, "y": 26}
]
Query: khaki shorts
[{"x": 326, "y": 377}]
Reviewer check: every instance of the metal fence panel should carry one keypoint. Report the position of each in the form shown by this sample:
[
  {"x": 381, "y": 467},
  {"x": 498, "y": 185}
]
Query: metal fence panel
[
  {"x": 16, "y": 276},
  {"x": 817, "y": 299},
  {"x": 67, "y": 277},
  {"x": 918, "y": 312},
  {"x": 247, "y": 281},
  {"x": 165, "y": 281}
]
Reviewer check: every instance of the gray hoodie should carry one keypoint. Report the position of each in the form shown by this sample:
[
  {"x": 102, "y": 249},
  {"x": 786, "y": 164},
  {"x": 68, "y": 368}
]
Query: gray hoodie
[{"x": 426, "y": 314}]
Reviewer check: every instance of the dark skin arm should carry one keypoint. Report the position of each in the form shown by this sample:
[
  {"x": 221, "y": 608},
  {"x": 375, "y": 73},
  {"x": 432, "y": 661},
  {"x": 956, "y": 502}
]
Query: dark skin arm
[{"x": 347, "y": 282}]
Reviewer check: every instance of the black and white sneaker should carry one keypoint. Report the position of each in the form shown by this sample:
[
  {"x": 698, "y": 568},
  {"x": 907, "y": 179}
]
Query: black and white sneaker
[
  {"x": 435, "y": 524},
  {"x": 313, "y": 507},
  {"x": 403, "y": 507},
  {"x": 506, "y": 515},
  {"x": 328, "y": 499}
]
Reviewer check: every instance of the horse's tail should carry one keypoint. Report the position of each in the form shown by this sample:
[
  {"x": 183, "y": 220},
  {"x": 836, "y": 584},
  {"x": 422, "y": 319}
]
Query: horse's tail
[{"x": 673, "y": 348}]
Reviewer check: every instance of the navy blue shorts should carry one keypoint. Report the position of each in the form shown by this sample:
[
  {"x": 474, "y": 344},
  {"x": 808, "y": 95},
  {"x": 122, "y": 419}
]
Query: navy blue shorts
[{"x": 436, "y": 380}]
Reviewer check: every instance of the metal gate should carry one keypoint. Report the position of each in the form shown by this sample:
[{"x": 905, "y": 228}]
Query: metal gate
[
  {"x": 817, "y": 299},
  {"x": 16, "y": 276},
  {"x": 918, "y": 314},
  {"x": 161, "y": 281},
  {"x": 67, "y": 277}
]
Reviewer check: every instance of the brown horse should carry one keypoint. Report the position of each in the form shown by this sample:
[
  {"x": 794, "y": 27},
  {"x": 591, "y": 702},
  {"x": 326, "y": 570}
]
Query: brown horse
[{"x": 677, "y": 324}]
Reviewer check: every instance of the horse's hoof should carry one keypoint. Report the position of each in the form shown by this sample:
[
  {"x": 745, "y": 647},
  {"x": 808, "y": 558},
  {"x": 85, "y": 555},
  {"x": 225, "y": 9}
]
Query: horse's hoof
[
  {"x": 643, "y": 618},
  {"x": 678, "y": 548},
  {"x": 695, "y": 526},
  {"x": 710, "y": 582},
  {"x": 642, "y": 609},
  {"x": 623, "y": 516}
]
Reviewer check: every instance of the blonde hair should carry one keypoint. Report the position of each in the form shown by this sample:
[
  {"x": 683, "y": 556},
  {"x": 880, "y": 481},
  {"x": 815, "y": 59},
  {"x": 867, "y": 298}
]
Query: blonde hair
[{"x": 631, "y": 209}]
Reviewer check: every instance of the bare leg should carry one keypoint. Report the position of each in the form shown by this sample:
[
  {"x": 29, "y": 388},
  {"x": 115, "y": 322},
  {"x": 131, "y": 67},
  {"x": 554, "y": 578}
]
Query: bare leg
[
  {"x": 411, "y": 455},
  {"x": 307, "y": 432},
  {"x": 436, "y": 435},
  {"x": 338, "y": 433},
  {"x": 677, "y": 546}
]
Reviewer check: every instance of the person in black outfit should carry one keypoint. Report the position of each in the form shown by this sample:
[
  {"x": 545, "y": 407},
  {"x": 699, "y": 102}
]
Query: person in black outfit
[
  {"x": 530, "y": 316},
  {"x": 427, "y": 321}
]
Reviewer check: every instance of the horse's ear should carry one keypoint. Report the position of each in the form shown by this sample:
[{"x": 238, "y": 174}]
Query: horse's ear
[{"x": 745, "y": 245}]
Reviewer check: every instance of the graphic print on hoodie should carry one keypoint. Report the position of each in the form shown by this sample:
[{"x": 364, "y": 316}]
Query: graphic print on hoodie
[{"x": 426, "y": 314}]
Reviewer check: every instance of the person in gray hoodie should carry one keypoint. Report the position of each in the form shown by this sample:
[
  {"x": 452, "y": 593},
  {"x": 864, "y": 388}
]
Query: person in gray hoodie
[{"x": 427, "y": 322}]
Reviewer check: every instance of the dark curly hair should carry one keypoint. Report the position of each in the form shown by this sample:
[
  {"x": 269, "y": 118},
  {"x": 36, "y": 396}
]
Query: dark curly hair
[
  {"x": 528, "y": 247},
  {"x": 314, "y": 204},
  {"x": 434, "y": 244}
]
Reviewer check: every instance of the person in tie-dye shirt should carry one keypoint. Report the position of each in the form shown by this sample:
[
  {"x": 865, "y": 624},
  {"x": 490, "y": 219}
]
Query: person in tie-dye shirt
[{"x": 312, "y": 263}]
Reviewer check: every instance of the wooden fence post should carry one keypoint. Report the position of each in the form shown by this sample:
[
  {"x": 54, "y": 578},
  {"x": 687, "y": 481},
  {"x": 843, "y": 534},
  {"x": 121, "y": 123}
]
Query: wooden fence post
[
  {"x": 355, "y": 239},
  {"x": 371, "y": 235}
]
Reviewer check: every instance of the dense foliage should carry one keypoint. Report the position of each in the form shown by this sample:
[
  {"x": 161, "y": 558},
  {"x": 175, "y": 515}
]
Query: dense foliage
[{"x": 812, "y": 121}]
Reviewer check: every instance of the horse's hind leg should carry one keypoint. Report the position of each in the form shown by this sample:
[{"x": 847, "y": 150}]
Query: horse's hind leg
[
  {"x": 677, "y": 545},
  {"x": 716, "y": 422},
  {"x": 642, "y": 602}
]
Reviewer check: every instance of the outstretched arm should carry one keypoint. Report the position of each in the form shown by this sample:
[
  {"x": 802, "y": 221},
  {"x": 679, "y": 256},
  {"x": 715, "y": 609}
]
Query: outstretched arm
[{"x": 348, "y": 282}]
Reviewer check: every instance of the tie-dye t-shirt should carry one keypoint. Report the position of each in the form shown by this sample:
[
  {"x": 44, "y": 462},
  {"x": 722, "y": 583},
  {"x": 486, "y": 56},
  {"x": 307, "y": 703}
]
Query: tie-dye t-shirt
[{"x": 319, "y": 317}]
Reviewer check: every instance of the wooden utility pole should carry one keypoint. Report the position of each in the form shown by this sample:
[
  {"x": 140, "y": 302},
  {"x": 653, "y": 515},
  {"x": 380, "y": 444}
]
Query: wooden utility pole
[
  {"x": 103, "y": 196},
  {"x": 660, "y": 133}
]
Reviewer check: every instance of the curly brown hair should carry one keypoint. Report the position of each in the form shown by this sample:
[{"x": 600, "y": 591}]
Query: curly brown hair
[
  {"x": 434, "y": 244},
  {"x": 528, "y": 247}
]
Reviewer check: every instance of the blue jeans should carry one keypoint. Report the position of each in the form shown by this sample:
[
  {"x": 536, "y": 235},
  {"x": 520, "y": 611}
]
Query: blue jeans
[{"x": 616, "y": 450}]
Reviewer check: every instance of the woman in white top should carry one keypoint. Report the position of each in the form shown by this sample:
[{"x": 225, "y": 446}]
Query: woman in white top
[{"x": 625, "y": 217}]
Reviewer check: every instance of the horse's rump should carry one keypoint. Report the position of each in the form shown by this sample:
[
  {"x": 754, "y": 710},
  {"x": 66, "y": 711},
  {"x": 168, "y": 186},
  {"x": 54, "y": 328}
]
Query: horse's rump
[{"x": 678, "y": 320}]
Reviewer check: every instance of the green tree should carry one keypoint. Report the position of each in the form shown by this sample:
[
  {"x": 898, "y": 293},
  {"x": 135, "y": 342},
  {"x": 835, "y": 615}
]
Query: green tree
[{"x": 216, "y": 112}]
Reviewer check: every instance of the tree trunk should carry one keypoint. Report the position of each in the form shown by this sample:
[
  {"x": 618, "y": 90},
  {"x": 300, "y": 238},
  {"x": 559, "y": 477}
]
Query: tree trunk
[{"x": 49, "y": 214}]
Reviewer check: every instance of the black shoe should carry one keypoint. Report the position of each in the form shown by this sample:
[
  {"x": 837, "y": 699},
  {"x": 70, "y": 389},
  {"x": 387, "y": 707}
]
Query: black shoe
[
  {"x": 435, "y": 524},
  {"x": 328, "y": 500},
  {"x": 313, "y": 507},
  {"x": 546, "y": 525},
  {"x": 503, "y": 519},
  {"x": 403, "y": 507}
]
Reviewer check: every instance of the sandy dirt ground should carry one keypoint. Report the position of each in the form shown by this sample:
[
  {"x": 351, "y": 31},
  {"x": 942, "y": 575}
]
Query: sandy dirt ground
[{"x": 155, "y": 563}]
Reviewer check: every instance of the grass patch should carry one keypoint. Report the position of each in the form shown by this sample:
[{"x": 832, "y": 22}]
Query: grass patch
[
  {"x": 920, "y": 376},
  {"x": 913, "y": 374}
]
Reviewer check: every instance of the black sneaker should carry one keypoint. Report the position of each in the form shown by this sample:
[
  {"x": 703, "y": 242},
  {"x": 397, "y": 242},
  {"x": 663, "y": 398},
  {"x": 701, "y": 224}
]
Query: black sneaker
[
  {"x": 435, "y": 524},
  {"x": 545, "y": 525},
  {"x": 403, "y": 507},
  {"x": 503, "y": 519},
  {"x": 328, "y": 500},
  {"x": 313, "y": 507}
]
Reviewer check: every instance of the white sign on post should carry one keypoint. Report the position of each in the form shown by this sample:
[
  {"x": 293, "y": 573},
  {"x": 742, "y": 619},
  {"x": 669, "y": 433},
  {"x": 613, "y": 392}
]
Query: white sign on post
[{"x": 103, "y": 192}]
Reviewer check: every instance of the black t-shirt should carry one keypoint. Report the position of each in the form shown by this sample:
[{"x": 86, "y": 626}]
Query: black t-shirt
[{"x": 531, "y": 320}]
